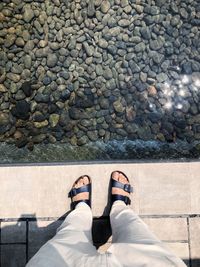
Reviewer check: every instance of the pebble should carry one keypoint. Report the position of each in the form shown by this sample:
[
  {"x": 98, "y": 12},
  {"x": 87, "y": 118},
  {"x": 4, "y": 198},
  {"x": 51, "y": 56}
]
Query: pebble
[
  {"x": 145, "y": 32},
  {"x": 103, "y": 43},
  {"x": 27, "y": 62},
  {"x": 3, "y": 89},
  {"x": 52, "y": 60},
  {"x": 27, "y": 89},
  {"x": 54, "y": 119},
  {"x": 28, "y": 14},
  {"x": 13, "y": 77},
  {"x": 124, "y": 3},
  {"x": 29, "y": 46},
  {"x": 20, "y": 42},
  {"x": 41, "y": 124},
  {"x": 21, "y": 110},
  {"x": 91, "y": 8},
  {"x": 156, "y": 44},
  {"x": 105, "y": 6},
  {"x": 124, "y": 22},
  {"x": 4, "y": 118},
  {"x": 10, "y": 40},
  {"x": 118, "y": 107},
  {"x": 88, "y": 49}
]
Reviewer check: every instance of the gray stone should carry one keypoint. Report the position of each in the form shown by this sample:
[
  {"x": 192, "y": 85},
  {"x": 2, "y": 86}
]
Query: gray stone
[
  {"x": 104, "y": 103},
  {"x": 82, "y": 141},
  {"x": 38, "y": 26},
  {"x": 59, "y": 36},
  {"x": 26, "y": 74},
  {"x": 118, "y": 106},
  {"x": 124, "y": 22},
  {"x": 107, "y": 73},
  {"x": 52, "y": 60},
  {"x": 4, "y": 118},
  {"x": 29, "y": 46},
  {"x": 27, "y": 62},
  {"x": 111, "y": 84},
  {"x": 13, "y": 77},
  {"x": 64, "y": 74},
  {"x": 20, "y": 42},
  {"x": 157, "y": 44},
  {"x": 157, "y": 57},
  {"x": 161, "y": 77},
  {"x": 105, "y": 6},
  {"x": 10, "y": 40},
  {"x": 88, "y": 49},
  {"x": 183, "y": 13},
  {"x": 124, "y": 3},
  {"x": 140, "y": 47},
  {"x": 103, "y": 43},
  {"x": 92, "y": 135},
  {"x": 134, "y": 66},
  {"x": 91, "y": 8},
  {"x": 28, "y": 13},
  {"x": 54, "y": 45},
  {"x": 3, "y": 89},
  {"x": 145, "y": 32}
]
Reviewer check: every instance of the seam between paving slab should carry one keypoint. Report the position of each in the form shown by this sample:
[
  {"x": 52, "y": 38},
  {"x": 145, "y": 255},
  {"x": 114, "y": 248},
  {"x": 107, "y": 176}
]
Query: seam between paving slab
[
  {"x": 189, "y": 247},
  {"x": 153, "y": 216}
]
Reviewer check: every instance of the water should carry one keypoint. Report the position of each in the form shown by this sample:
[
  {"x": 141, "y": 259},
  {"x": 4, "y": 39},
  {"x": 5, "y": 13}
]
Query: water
[{"x": 89, "y": 80}]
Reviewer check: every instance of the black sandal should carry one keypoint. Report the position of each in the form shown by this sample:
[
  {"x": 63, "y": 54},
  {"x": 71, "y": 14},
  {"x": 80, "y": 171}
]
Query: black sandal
[
  {"x": 85, "y": 188},
  {"x": 126, "y": 187}
]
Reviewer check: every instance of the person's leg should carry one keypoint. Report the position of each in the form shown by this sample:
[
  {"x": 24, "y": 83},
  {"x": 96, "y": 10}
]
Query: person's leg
[
  {"x": 133, "y": 243},
  {"x": 73, "y": 242}
]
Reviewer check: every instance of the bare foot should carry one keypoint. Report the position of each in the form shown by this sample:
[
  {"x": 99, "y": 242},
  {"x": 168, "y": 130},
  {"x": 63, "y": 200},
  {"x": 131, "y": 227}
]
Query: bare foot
[
  {"x": 84, "y": 180},
  {"x": 122, "y": 179}
]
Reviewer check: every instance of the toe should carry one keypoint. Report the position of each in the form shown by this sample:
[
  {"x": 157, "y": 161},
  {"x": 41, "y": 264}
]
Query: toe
[
  {"x": 85, "y": 180},
  {"x": 115, "y": 175}
]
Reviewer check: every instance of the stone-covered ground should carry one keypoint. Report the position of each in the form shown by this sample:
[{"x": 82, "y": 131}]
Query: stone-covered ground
[{"x": 84, "y": 71}]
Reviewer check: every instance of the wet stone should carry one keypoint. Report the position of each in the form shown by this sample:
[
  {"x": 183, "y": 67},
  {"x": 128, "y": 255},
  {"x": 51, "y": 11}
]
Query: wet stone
[
  {"x": 10, "y": 40},
  {"x": 13, "y": 77},
  {"x": 28, "y": 13},
  {"x": 105, "y": 6},
  {"x": 21, "y": 110},
  {"x": 52, "y": 60},
  {"x": 27, "y": 62}
]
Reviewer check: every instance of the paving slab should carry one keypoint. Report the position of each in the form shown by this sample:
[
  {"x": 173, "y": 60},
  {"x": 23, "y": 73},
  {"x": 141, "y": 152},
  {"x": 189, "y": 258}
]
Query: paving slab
[
  {"x": 194, "y": 227},
  {"x": 168, "y": 229},
  {"x": 160, "y": 188},
  {"x": 165, "y": 188},
  {"x": 13, "y": 255},
  {"x": 39, "y": 233},
  {"x": 13, "y": 232},
  {"x": 181, "y": 250}
]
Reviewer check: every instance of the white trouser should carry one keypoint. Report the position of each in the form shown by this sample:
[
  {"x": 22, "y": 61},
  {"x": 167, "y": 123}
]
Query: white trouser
[{"x": 133, "y": 244}]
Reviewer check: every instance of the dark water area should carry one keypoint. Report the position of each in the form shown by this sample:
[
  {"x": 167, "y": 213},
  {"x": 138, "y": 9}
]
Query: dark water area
[{"x": 99, "y": 80}]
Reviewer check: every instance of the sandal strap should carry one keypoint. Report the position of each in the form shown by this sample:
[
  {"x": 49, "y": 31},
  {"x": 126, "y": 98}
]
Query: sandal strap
[
  {"x": 87, "y": 201},
  {"x": 126, "y": 187},
  {"x": 126, "y": 199},
  {"x": 74, "y": 191}
]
